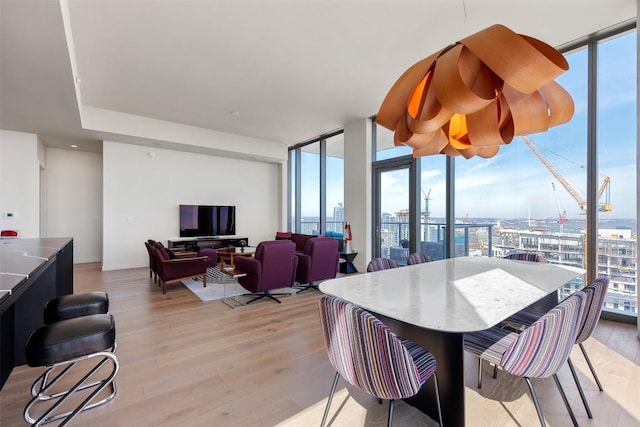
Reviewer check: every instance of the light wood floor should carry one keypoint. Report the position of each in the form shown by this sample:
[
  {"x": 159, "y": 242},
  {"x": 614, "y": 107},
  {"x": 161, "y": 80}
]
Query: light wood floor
[{"x": 189, "y": 363}]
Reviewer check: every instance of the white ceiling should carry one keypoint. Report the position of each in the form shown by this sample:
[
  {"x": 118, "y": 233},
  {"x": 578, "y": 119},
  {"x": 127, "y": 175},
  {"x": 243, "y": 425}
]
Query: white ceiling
[{"x": 291, "y": 70}]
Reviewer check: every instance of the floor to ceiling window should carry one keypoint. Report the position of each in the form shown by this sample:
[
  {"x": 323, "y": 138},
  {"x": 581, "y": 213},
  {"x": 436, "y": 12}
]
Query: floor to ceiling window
[
  {"x": 310, "y": 189},
  {"x": 334, "y": 206},
  {"x": 617, "y": 114},
  {"x": 292, "y": 191},
  {"x": 316, "y": 188},
  {"x": 394, "y": 204}
]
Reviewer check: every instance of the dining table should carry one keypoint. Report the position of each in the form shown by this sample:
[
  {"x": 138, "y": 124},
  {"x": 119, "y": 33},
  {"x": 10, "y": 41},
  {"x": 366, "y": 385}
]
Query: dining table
[{"x": 435, "y": 303}]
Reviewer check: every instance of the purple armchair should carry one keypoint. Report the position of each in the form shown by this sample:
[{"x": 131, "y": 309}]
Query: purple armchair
[
  {"x": 153, "y": 267},
  {"x": 176, "y": 270},
  {"x": 318, "y": 261},
  {"x": 273, "y": 267}
]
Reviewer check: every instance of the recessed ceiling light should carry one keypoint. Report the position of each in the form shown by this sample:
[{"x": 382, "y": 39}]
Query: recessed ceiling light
[
  {"x": 234, "y": 113},
  {"x": 74, "y": 146}
]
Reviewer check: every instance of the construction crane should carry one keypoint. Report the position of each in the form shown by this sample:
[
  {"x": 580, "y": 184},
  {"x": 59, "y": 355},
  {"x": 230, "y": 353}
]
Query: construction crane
[
  {"x": 427, "y": 212},
  {"x": 427, "y": 215},
  {"x": 602, "y": 206},
  {"x": 562, "y": 213}
]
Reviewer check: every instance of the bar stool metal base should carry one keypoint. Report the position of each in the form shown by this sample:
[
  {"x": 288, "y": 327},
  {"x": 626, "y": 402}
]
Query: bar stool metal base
[{"x": 41, "y": 388}]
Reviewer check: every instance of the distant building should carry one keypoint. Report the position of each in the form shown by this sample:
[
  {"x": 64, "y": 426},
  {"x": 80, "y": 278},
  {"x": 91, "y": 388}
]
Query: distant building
[
  {"x": 337, "y": 224},
  {"x": 616, "y": 258}
]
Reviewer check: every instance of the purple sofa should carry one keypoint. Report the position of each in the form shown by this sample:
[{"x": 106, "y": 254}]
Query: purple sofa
[
  {"x": 318, "y": 261},
  {"x": 273, "y": 266}
]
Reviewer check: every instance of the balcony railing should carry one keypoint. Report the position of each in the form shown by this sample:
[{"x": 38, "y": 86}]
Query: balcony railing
[{"x": 470, "y": 239}]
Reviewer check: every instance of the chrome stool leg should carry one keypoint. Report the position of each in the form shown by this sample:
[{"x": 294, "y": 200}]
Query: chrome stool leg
[
  {"x": 61, "y": 397},
  {"x": 41, "y": 383}
]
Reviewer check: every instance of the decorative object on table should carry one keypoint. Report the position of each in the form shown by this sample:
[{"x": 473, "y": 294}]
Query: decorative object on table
[
  {"x": 477, "y": 94},
  {"x": 242, "y": 244},
  {"x": 347, "y": 238}
]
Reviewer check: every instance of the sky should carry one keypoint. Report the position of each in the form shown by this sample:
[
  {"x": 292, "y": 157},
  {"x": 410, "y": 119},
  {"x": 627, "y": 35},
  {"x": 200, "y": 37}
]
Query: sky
[{"x": 515, "y": 183}]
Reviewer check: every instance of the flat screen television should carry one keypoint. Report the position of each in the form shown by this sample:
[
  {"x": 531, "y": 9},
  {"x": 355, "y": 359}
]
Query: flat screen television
[{"x": 207, "y": 220}]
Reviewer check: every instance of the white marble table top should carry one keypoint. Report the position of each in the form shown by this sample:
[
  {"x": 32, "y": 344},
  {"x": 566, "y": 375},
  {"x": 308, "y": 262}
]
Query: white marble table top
[{"x": 455, "y": 295}]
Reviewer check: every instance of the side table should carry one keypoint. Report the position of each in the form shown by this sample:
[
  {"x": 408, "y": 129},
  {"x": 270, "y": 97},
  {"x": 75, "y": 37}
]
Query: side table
[
  {"x": 232, "y": 272},
  {"x": 347, "y": 266}
]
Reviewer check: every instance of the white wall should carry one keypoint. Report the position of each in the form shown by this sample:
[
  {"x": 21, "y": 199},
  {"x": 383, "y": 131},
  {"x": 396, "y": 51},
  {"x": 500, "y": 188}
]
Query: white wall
[
  {"x": 19, "y": 182},
  {"x": 142, "y": 188},
  {"x": 74, "y": 201}
]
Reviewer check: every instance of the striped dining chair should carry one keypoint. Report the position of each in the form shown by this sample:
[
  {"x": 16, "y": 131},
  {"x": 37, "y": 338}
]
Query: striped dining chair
[
  {"x": 538, "y": 352},
  {"x": 527, "y": 256},
  {"x": 378, "y": 264},
  {"x": 417, "y": 258},
  {"x": 596, "y": 290},
  {"x": 595, "y": 293},
  {"x": 372, "y": 358}
]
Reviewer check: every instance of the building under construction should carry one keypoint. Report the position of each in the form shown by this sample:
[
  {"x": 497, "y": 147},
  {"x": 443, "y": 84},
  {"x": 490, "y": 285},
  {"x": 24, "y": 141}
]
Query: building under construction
[{"x": 616, "y": 258}]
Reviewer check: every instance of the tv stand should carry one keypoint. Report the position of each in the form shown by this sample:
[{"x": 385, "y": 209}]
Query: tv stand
[{"x": 196, "y": 243}]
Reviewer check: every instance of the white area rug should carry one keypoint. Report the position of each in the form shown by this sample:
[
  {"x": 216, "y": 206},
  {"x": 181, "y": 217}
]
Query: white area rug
[
  {"x": 214, "y": 291},
  {"x": 219, "y": 285}
]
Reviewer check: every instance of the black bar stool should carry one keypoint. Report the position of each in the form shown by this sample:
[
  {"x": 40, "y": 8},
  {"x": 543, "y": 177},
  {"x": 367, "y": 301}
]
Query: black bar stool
[
  {"x": 62, "y": 345},
  {"x": 76, "y": 305}
]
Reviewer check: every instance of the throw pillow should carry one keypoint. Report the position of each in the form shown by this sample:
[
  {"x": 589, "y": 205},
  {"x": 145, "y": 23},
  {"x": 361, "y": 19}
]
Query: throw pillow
[{"x": 283, "y": 235}]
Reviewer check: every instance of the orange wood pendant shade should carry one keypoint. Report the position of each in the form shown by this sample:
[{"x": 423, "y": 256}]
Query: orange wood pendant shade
[{"x": 477, "y": 94}]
